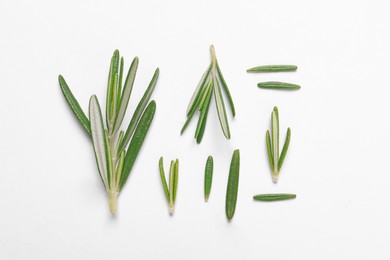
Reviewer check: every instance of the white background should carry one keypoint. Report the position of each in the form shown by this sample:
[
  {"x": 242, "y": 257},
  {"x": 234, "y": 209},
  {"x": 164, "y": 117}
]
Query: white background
[{"x": 52, "y": 202}]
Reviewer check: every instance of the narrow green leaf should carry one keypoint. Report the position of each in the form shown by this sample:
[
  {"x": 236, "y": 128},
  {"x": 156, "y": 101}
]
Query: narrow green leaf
[
  {"x": 269, "y": 150},
  {"x": 127, "y": 89},
  {"x": 114, "y": 103},
  {"x": 110, "y": 87},
  {"x": 163, "y": 180},
  {"x": 278, "y": 85},
  {"x": 110, "y": 170},
  {"x": 198, "y": 90},
  {"x": 273, "y": 68},
  {"x": 208, "y": 177},
  {"x": 187, "y": 121},
  {"x": 119, "y": 170},
  {"x": 204, "y": 94},
  {"x": 74, "y": 105},
  {"x": 274, "y": 197},
  {"x": 121, "y": 134},
  {"x": 203, "y": 119},
  {"x": 137, "y": 141},
  {"x": 284, "y": 149},
  {"x": 221, "y": 109},
  {"x": 171, "y": 201},
  {"x": 204, "y": 111},
  {"x": 98, "y": 140},
  {"x": 275, "y": 139},
  {"x": 225, "y": 87},
  {"x": 119, "y": 90},
  {"x": 175, "y": 179},
  {"x": 232, "y": 187},
  {"x": 139, "y": 110}
]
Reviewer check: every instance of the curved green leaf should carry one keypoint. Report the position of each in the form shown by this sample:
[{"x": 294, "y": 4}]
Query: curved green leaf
[{"x": 232, "y": 187}]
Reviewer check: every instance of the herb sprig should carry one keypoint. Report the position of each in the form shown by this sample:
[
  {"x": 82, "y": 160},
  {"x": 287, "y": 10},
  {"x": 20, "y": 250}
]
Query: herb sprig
[
  {"x": 113, "y": 160},
  {"x": 170, "y": 191},
  {"x": 210, "y": 84}
]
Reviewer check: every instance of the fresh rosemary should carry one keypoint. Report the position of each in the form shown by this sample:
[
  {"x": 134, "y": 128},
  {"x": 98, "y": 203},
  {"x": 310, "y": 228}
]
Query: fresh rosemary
[{"x": 170, "y": 191}]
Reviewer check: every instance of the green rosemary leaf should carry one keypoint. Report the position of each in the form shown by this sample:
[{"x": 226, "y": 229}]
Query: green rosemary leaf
[
  {"x": 198, "y": 90},
  {"x": 110, "y": 88},
  {"x": 120, "y": 168},
  {"x": 274, "y": 197},
  {"x": 204, "y": 110},
  {"x": 163, "y": 180},
  {"x": 97, "y": 130},
  {"x": 225, "y": 87},
  {"x": 119, "y": 89},
  {"x": 171, "y": 187},
  {"x": 203, "y": 118},
  {"x": 204, "y": 95},
  {"x": 208, "y": 177},
  {"x": 127, "y": 89},
  {"x": 74, "y": 105},
  {"x": 232, "y": 187},
  {"x": 278, "y": 85},
  {"x": 121, "y": 134},
  {"x": 273, "y": 68},
  {"x": 139, "y": 110},
  {"x": 269, "y": 150},
  {"x": 275, "y": 142},
  {"x": 175, "y": 179},
  {"x": 187, "y": 121},
  {"x": 284, "y": 149},
  {"x": 137, "y": 141},
  {"x": 221, "y": 109},
  {"x": 114, "y": 103},
  {"x": 110, "y": 171}
]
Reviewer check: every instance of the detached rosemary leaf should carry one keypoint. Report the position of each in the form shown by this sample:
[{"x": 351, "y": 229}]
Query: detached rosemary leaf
[
  {"x": 137, "y": 141},
  {"x": 74, "y": 105},
  {"x": 98, "y": 139},
  {"x": 163, "y": 180},
  {"x": 221, "y": 109},
  {"x": 278, "y": 85},
  {"x": 232, "y": 187},
  {"x": 208, "y": 177},
  {"x": 198, "y": 90},
  {"x": 171, "y": 201},
  {"x": 285, "y": 148},
  {"x": 139, "y": 110},
  {"x": 175, "y": 179},
  {"x": 269, "y": 150},
  {"x": 110, "y": 88},
  {"x": 273, "y": 68},
  {"x": 127, "y": 89},
  {"x": 274, "y": 197},
  {"x": 225, "y": 87},
  {"x": 275, "y": 140}
]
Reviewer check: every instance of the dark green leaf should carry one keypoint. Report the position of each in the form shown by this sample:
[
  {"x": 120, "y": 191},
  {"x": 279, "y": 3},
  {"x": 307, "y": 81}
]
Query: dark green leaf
[{"x": 232, "y": 187}]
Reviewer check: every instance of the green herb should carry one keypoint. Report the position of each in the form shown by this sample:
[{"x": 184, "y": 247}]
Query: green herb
[
  {"x": 113, "y": 161},
  {"x": 210, "y": 84},
  {"x": 278, "y": 85},
  {"x": 208, "y": 177},
  {"x": 232, "y": 187},
  {"x": 274, "y": 197},
  {"x": 273, "y": 68},
  {"x": 170, "y": 191},
  {"x": 275, "y": 160}
]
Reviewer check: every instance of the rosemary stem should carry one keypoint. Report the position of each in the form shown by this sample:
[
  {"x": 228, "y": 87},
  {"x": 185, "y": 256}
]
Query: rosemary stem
[
  {"x": 112, "y": 200},
  {"x": 213, "y": 56}
]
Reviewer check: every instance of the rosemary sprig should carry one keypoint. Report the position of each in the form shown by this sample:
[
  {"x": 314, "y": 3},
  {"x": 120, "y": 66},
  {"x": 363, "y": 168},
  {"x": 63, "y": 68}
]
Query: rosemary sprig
[
  {"x": 278, "y": 85},
  {"x": 113, "y": 161},
  {"x": 275, "y": 160},
  {"x": 208, "y": 177},
  {"x": 232, "y": 187},
  {"x": 170, "y": 191},
  {"x": 274, "y": 197},
  {"x": 273, "y": 68},
  {"x": 209, "y": 84}
]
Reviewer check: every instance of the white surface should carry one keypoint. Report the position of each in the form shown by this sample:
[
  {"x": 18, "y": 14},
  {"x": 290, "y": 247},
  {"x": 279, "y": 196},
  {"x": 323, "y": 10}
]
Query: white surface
[{"x": 52, "y": 201}]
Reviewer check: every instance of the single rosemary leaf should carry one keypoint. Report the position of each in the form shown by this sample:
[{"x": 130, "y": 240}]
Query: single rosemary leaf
[
  {"x": 273, "y": 68},
  {"x": 115, "y": 98},
  {"x": 275, "y": 140},
  {"x": 205, "y": 113},
  {"x": 269, "y": 150},
  {"x": 175, "y": 179},
  {"x": 187, "y": 121},
  {"x": 139, "y": 110},
  {"x": 163, "y": 180},
  {"x": 225, "y": 87},
  {"x": 137, "y": 141},
  {"x": 221, "y": 109},
  {"x": 127, "y": 89},
  {"x": 97, "y": 130},
  {"x": 208, "y": 177},
  {"x": 74, "y": 105},
  {"x": 119, "y": 90},
  {"x": 121, "y": 134},
  {"x": 284, "y": 149},
  {"x": 119, "y": 169},
  {"x": 198, "y": 90},
  {"x": 110, "y": 87},
  {"x": 274, "y": 197},
  {"x": 204, "y": 110},
  {"x": 110, "y": 171},
  {"x": 232, "y": 187},
  {"x": 204, "y": 94},
  {"x": 278, "y": 85},
  {"x": 171, "y": 187}
]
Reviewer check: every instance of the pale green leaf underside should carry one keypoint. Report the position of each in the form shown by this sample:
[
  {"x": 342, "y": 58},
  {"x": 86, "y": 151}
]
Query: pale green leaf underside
[{"x": 221, "y": 109}]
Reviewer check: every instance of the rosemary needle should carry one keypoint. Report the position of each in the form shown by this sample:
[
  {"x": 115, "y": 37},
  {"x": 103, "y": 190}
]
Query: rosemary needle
[
  {"x": 208, "y": 177},
  {"x": 232, "y": 187},
  {"x": 273, "y": 68},
  {"x": 170, "y": 188},
  {"x": 278, "y": 85},
  {"x": 274, "y": 197}
]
